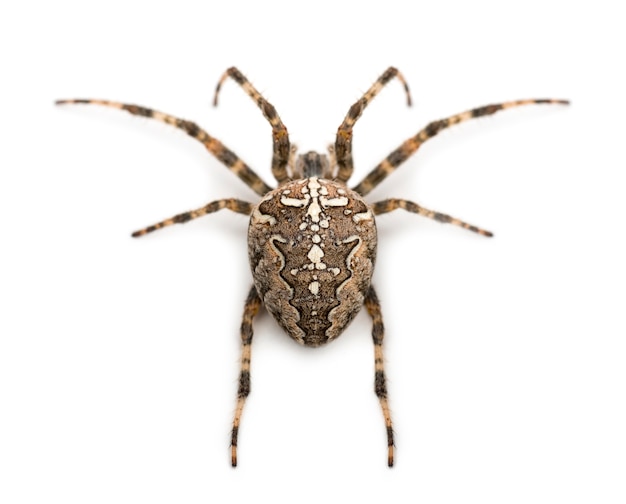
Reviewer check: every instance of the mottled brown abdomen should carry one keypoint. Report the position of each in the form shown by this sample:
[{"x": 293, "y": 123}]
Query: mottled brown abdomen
[{"x": 312, "y": 247}]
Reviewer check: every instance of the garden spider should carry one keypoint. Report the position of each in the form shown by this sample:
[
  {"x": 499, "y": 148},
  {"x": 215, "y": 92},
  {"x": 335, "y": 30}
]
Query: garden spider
[{"x": 312, "y": 240}]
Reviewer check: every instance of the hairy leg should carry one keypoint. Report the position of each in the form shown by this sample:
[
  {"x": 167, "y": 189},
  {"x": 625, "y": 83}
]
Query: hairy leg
[
  {"x": 252, "y": 307},
  {"x": 388, "y": 205},
  {"x": 214, "y": 146},
  {"x": 380, "y": 383},
  {"x": 408, "y": 148},
  {"x": 343, "y": 141},
  {"x": 280, "y": 158},
  {"x": 235, "y": 205}
]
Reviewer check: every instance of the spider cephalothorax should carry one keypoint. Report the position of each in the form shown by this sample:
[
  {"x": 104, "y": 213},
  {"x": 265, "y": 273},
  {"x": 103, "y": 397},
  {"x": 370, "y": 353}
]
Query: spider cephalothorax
[{"x": 312, "y": 240}]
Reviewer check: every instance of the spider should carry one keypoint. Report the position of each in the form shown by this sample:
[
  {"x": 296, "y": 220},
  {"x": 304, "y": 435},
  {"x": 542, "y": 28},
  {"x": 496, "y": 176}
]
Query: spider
[{"x": 312, "y": 240}]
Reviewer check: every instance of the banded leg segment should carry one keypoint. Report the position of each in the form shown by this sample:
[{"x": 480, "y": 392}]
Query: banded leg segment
[
  {"x": 253, "y": 304},
  {"x": 235, "y": 205},
  {"x": 380, "y": 382},
  {"x": 408, "y": 148},
  {"x": 388, "y": 205},
  {"x": 343, "y": 141},
  {"x": 214, "y": 146},
  {"x": 280, "y": 158}
]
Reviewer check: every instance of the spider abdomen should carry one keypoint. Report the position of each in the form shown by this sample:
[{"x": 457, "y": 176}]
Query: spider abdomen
[{"x": 312, "y": 247}]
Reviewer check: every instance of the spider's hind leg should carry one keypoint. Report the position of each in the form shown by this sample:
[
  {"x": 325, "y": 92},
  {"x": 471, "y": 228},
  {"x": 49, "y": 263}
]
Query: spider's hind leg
[
  {"x": 252, "y": 307},
  {"x": 372, "y": 305}
]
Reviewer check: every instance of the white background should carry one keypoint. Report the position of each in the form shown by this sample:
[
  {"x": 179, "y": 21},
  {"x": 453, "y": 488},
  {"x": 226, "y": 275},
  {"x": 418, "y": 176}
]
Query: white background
[{"x": 505, "y": 356}]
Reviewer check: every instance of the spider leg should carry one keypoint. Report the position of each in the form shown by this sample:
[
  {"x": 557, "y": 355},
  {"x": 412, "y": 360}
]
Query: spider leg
[
  {"x": 252, "y": 306},
  {"x": 293, "y": 150},
  {"x": 235, "y": 205},
  {"x": 408, "y": 148},
  {"x": 380, "y": 383},
  {"x": 332, "y": 161},
  {"x": 280, "y": 158},
  {"x": 343, "y": 141},
  {"x": 214, "y": 146},
  {"x": 388, "y": 205}
]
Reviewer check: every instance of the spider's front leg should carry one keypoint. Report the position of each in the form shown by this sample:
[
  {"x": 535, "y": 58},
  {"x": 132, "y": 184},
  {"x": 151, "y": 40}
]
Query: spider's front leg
[
  {"x": 372, "y": 305},
  {"x": 343, "y": 141},
  {"x": 252, "y": 307},
  {"x": 281, "y": 146}
]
